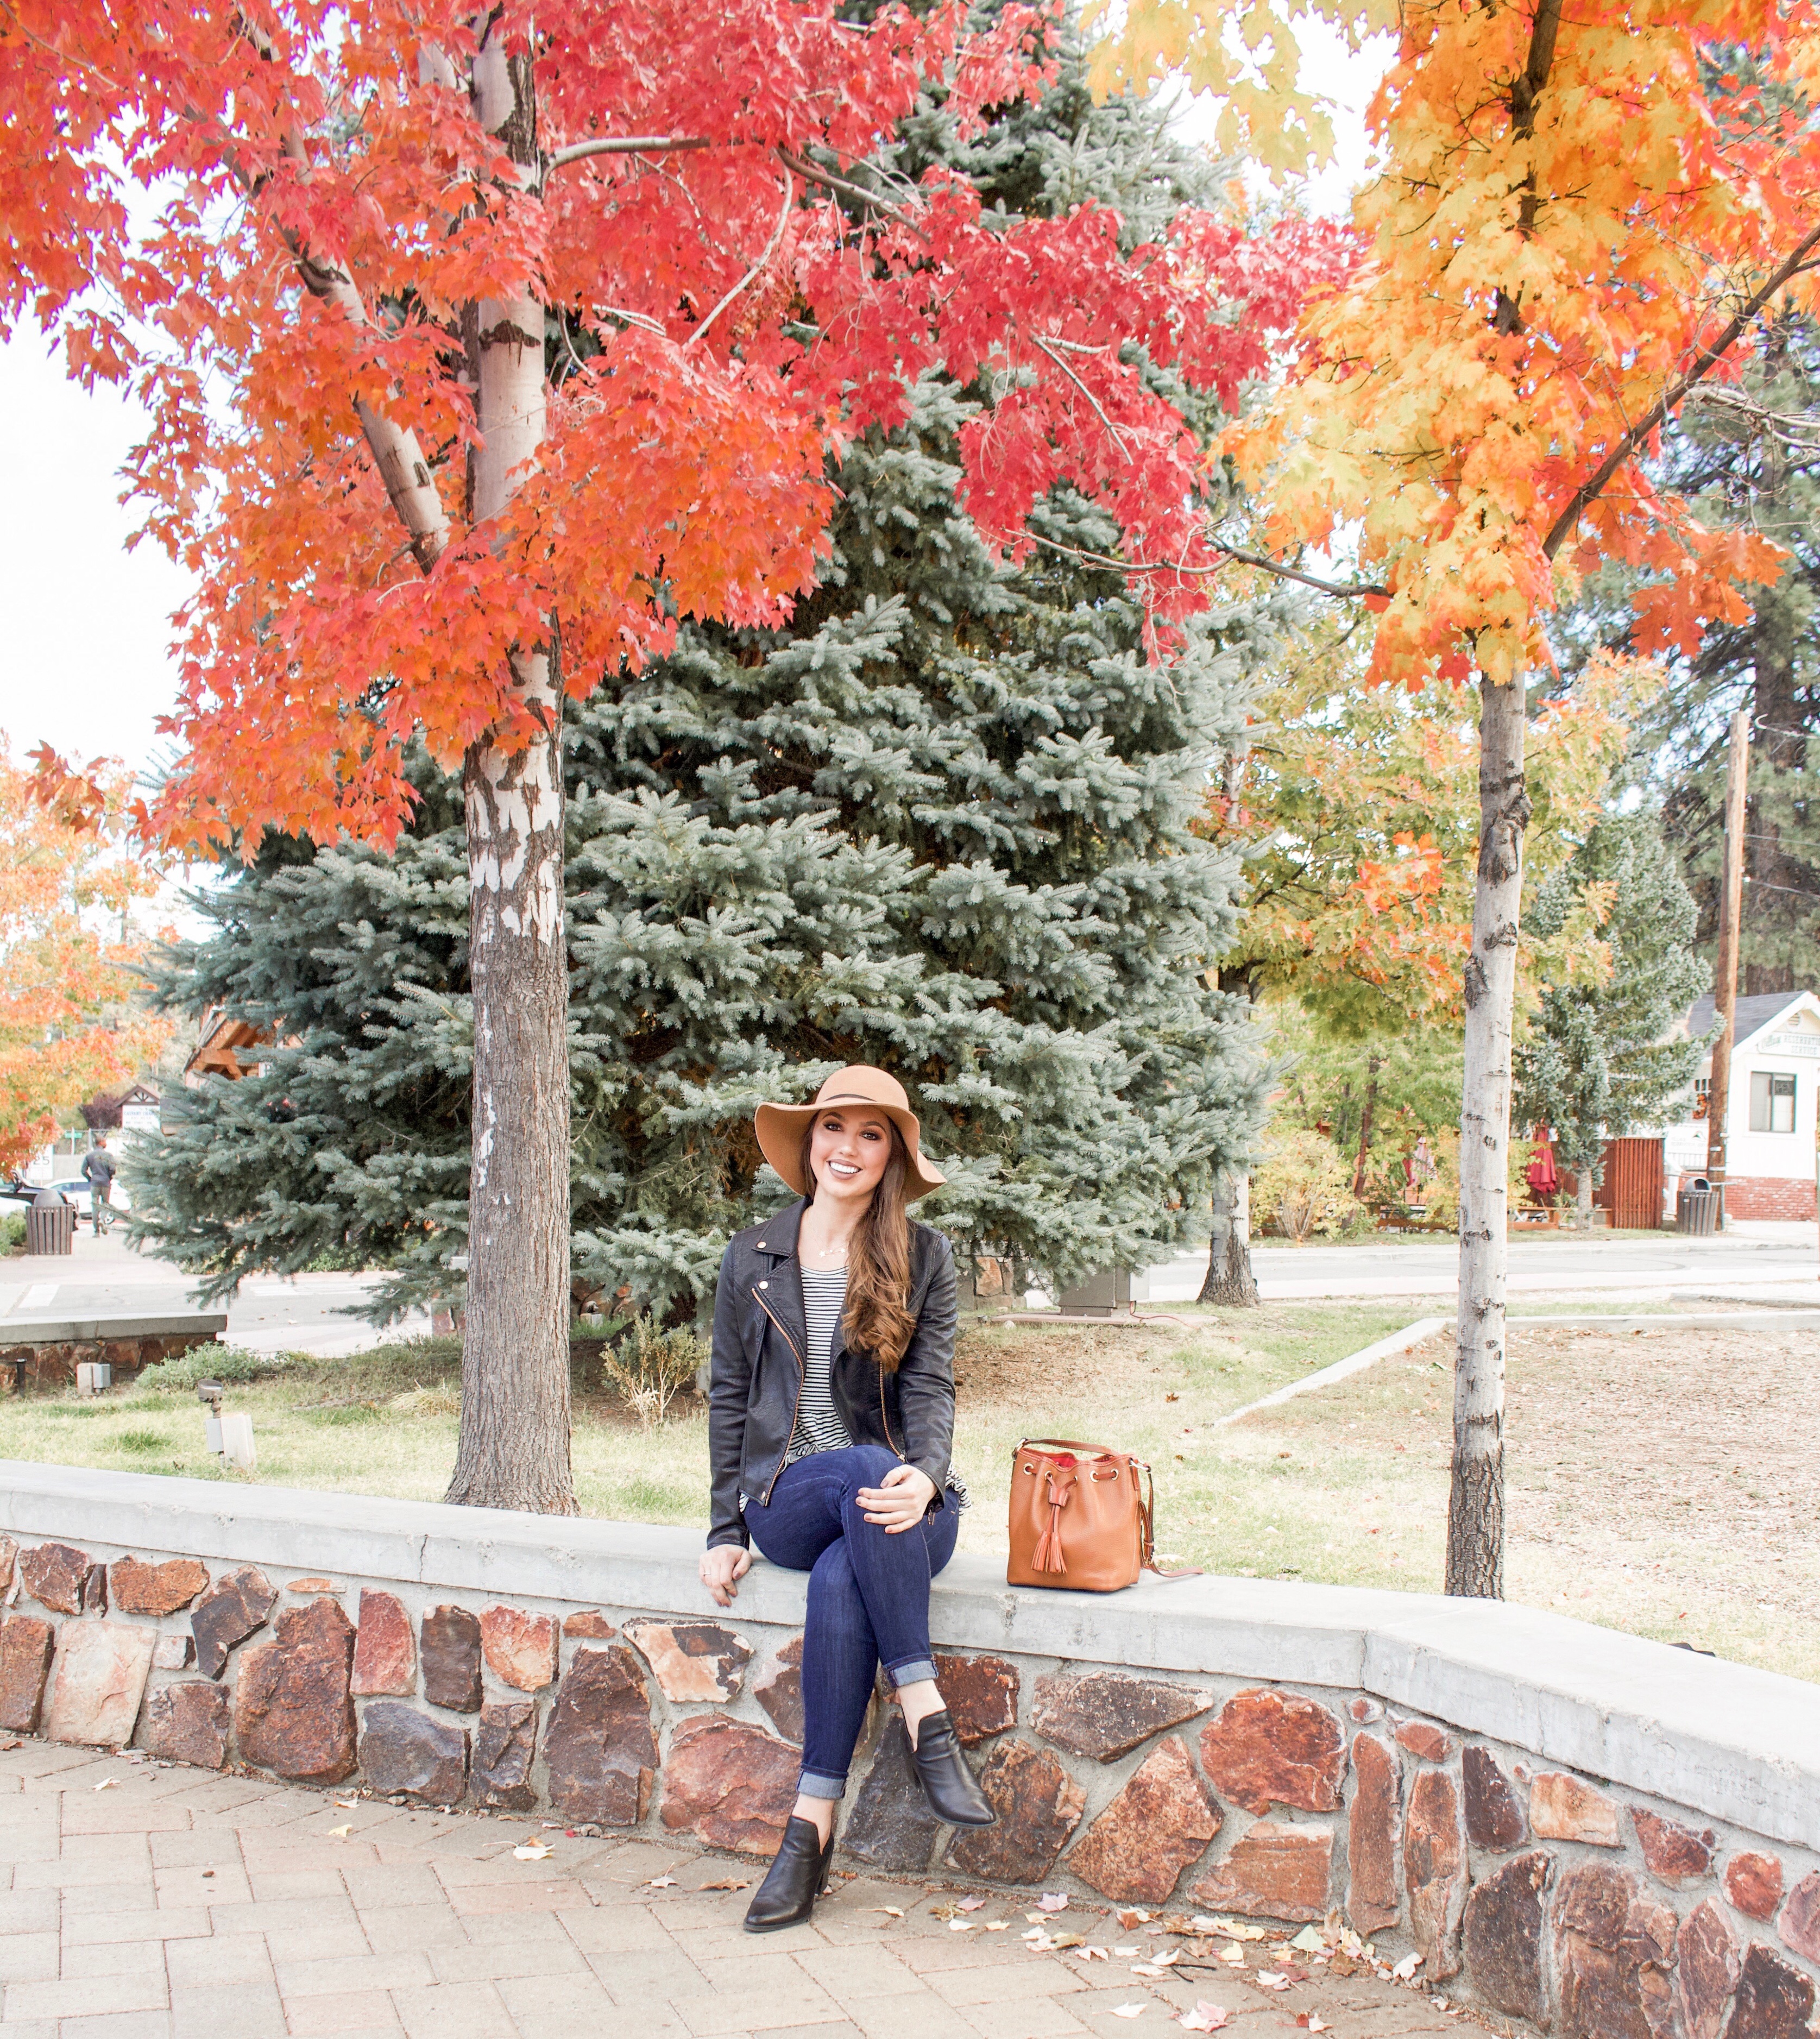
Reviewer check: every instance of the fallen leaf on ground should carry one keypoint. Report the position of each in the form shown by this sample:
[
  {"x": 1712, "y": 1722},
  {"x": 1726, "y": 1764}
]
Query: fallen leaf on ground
[
  {"x": 1205, "y": 2017},
  {"x": 1090, "y": 1954},
  {"x": 1066, "y": 1940},
  {"x": 1309, "y": 1942},
  {"x": 721, "y": 1883},
  {"x": 1052, "y": 1900},
  {"x": 1125, "y": 1953},
  {"x": 1233, "y": 1929},
  {"x": 889, "y": 1911},
  {"x": 970, "y": 1905},
  {"x": 1148, "y": 1969},
  {"x": 1036, "y": 1933},
  {"x": 960, "y": 1925},
  {"x": 10, "y": 1746},
  {"x": 339, "y": 1833},
  {"x": 1271, "y": 1979},
  {"x": 346, "y": 1804},
  {"x": 1169, "y": 1960},
  {"x": 1132, "y": 1914},
  {"x": 1407, "y": 1967},
  {"x": 1234, "y": 1957},
  {"x": 108, "y": 1784},
  {"x": 997, "y": 1925},
  {"x": 1128, "y": 2010},
  {"x": 664, "y": 1882},
  {"x": 1307, "y": 2022},
  {"x": 531, "y": 1851}
]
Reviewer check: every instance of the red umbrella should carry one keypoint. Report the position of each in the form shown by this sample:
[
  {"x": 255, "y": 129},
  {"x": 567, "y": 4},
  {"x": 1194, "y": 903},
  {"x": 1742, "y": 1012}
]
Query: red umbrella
[{"x": 1542, "y": 1175}]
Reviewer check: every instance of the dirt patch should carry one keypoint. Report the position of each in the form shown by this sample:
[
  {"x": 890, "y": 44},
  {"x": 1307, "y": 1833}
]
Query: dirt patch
[{"x": 1703, "y": 1436}]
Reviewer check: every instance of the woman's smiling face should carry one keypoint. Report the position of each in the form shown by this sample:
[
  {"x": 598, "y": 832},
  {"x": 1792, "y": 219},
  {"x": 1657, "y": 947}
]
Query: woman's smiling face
[{"x": 849, "y": 1148}]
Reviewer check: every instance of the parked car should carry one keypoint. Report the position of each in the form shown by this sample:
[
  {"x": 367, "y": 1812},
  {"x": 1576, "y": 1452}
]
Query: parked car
[{"x": 74, "y": 1190}]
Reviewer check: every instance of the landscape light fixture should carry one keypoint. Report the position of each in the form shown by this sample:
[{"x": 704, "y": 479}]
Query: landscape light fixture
[{"x": 209, "y": 1394}]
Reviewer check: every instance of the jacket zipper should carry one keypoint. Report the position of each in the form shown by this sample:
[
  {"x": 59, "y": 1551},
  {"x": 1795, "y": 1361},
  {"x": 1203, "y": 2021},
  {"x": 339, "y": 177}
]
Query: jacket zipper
[
  {"x": 802, "y": 1368},
  {"x": 884, "y": 1418}
]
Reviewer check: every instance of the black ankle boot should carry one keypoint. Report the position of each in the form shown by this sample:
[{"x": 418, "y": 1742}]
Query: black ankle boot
[
  {"x": 947, "y": 1781},
  {"x": 796, "y": 1877}
]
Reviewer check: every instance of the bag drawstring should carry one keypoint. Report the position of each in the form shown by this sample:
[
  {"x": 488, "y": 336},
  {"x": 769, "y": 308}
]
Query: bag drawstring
[{"x": 1048, "y": 1556}]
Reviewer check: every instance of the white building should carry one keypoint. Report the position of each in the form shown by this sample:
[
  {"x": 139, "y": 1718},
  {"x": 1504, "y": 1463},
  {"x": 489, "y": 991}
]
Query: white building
[{"x": 1770, "y": 1128}]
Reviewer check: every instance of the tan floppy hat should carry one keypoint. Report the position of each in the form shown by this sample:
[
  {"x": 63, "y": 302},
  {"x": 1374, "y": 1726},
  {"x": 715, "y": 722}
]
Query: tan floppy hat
[{"x": 780, "y": 1126}]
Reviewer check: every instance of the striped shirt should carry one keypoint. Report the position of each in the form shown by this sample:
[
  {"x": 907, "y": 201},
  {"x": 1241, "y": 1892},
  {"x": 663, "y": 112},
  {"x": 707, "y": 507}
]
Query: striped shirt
[{"x": 818, "y": 1425}]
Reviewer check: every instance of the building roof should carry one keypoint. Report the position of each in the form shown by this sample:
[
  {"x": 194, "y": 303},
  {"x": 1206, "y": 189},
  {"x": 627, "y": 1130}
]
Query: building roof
[{"x": 1750, "y": 1015}]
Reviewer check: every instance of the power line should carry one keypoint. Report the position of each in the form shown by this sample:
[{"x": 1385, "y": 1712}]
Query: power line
[{"x": 1798, "y": 891}]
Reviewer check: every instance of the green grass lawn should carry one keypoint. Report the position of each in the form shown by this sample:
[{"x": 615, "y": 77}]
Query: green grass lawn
[{"x": 1658, "y": 1479}]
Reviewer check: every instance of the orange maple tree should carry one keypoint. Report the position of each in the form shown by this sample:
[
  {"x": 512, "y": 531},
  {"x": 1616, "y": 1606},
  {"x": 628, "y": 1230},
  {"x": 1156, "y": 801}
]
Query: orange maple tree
[
  {"x": 482, "y": 346},
  {"x": 1579, "y": 216},
  {"x": 70, "y": 950}
]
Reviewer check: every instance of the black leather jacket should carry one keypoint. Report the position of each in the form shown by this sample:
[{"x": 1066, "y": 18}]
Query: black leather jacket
[{"x": 760, "y": 1336}]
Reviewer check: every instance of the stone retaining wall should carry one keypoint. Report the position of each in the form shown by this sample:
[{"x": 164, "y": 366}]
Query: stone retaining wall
[
  {"x": 43, "y": 1363},
  {"x": 1596, "y": 1836}
]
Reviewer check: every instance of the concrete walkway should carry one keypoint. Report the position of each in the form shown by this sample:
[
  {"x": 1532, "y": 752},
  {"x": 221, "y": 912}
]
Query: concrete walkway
[{"x": 143, "y": 1902}]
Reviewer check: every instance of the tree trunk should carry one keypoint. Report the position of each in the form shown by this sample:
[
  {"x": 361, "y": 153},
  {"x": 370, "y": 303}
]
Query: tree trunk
[
  {"x": 1365, "y": 1116},
  {"x": 1584, "y": 1197},
  {"x": 1476, "y": 1507},
  {"x": 514, "y": 1450},
  {"x": 1229, "y": 1277}
]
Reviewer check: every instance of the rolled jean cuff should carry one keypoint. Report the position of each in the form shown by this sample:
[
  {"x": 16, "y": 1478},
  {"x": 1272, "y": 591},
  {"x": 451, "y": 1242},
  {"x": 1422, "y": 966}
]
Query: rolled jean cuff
[
  {"x": 812, "y": 1784},
  {"x": 912, "y": 1672}
]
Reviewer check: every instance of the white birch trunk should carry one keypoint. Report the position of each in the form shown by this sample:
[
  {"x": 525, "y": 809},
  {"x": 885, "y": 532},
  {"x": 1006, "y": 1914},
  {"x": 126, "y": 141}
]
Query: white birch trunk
[
  {"x": 1476, "y": 1507},
  {"x": 514, "y": 1450}
]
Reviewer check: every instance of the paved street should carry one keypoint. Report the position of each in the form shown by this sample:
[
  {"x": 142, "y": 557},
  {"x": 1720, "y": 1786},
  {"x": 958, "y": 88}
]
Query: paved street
[
  {"x": 1761, "y": 1263},
  {"x": 141, "y": 1902},
  {"x": 1751, "y": 1258},
  {"x": 306, "y": 1313}
]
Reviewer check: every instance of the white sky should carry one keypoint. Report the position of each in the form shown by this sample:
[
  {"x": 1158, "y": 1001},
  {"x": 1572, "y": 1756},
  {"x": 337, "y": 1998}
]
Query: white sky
[{"x": 87, "y": 665}]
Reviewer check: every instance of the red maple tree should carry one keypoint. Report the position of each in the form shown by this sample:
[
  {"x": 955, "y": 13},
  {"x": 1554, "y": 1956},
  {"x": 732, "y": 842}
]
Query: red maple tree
[{"x": 484, "y": 347}]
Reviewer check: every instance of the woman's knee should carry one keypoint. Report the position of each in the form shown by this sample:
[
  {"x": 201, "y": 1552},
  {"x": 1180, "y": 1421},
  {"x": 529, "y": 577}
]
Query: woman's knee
[{"x": 869, "y": 1463}]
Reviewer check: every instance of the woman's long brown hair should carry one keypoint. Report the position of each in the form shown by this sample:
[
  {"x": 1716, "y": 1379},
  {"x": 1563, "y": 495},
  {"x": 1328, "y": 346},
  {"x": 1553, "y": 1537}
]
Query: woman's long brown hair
[{"x": 878, "y": 1319}]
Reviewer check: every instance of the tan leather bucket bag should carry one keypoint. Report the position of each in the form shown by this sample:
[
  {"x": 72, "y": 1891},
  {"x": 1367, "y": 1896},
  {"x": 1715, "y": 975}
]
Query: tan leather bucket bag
[{"x": 1082, "y": 1517}]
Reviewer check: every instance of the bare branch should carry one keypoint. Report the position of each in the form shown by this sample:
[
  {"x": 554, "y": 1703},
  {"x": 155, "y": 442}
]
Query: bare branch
[
  {"x": 1118, "y": 438},
  {"x": 1350, "y": 589},
  {"x": 1709, "y": 358},
  {"x": 808, "y": 173},
  {"x": 625, "y": 145},
  {"x": 757, "y": 268}
]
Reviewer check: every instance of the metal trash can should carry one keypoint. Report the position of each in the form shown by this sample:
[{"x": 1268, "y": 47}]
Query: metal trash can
[
  {"x": 50, "y": 1223},
  {"x": 1696, "y": 1209}
]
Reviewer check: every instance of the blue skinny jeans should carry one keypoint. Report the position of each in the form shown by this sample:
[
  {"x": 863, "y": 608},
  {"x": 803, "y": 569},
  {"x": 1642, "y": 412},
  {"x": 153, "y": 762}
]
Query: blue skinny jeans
[{"x": 869, "y": 1595}]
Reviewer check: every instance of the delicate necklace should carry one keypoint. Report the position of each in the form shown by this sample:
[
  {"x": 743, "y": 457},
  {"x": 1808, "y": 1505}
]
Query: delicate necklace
[{"x": 831, "y": 1252}]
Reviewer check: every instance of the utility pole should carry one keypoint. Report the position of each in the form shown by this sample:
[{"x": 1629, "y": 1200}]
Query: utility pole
[{"x": 1725, "y": 983}]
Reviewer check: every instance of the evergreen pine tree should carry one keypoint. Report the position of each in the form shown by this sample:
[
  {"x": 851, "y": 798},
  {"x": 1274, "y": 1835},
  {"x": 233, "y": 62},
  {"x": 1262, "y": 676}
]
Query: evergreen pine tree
[
  {"x": 1597, "y": 1064},
  {"x": 1746, "y": 454},
  {"x": 942, "y": 823}
]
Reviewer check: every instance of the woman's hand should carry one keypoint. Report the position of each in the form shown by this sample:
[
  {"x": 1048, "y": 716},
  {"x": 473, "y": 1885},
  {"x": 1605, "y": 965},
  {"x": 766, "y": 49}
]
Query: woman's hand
[
  {"x": 720, "y": 1566},
  {"x": 901, "y": 1503}
]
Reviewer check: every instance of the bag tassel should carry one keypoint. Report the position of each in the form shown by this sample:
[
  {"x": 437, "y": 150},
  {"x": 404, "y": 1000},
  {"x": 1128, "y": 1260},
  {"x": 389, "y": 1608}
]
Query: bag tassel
[{"x": 1047, "y": 1557}]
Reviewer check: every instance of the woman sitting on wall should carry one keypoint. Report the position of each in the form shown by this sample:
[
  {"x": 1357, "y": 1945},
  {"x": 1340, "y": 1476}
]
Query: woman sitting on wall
[{"x": 830, "y": 1418}]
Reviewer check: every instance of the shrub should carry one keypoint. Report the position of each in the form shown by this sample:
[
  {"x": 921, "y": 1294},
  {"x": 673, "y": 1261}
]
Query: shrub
[
  {"x": 651, "y": 1368},
  {"x": 226, "y": 1363},
  {"x": 1303, "y": 1186},
  {"x": 13, "y": 1234}
]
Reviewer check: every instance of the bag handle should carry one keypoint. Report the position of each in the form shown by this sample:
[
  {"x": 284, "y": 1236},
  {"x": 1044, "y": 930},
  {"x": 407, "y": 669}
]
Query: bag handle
[
  {"x": 1147, "y": 1515},
  {"x": 1073, "y": 1444},
  {"x": 1146, "y": 1504}
]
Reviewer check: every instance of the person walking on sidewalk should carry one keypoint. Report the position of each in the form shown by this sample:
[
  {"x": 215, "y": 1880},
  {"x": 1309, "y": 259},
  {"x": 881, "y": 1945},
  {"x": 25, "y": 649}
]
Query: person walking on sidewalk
[
  {"x": 98, "y": 1173},
  {"x": 831, "y": 1417}
]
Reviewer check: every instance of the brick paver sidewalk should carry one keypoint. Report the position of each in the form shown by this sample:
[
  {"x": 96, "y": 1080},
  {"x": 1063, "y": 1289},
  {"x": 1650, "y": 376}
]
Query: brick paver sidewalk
[{"x": 171, "y": 1904}]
